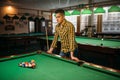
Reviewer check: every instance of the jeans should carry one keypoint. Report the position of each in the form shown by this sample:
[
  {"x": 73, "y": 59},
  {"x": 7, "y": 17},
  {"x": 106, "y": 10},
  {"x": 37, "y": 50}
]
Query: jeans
[{"x": 62, "y": 54}]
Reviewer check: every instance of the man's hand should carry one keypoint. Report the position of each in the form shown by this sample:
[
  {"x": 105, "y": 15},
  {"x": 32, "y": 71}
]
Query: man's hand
[
  {"x": 74, "y": 58},
  {"x": 50, "y": 51}
]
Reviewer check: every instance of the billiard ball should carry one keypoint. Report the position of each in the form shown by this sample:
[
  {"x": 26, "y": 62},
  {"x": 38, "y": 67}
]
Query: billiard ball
[
  {"x": 33, "y": 65},
  {"x": 32, "y": 61},
  {"x": 30, "y": 65},
  {"x": 101, "y": 44},
  {"x": 22, "y": 64},
  {"x": 26, "y": 64}
]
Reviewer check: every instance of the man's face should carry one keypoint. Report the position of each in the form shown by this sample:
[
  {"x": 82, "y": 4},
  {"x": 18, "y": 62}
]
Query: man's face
[{"x": 59, "y": 17}]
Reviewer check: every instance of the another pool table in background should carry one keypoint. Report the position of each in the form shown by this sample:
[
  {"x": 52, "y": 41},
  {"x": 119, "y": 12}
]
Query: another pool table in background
[
  {"x": 91, "y": 50},
  {"x": 18, "y": 42}
]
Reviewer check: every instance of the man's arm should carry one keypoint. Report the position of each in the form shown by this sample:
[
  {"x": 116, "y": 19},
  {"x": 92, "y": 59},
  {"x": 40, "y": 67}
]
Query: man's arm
[
  {"x": 50, "y": 50},
  {"x": 72, "y": 42},
  {"x": 54, "y": 42},
  {"x": 73, "y": 58},
  {"x": 71, "y": 37}
]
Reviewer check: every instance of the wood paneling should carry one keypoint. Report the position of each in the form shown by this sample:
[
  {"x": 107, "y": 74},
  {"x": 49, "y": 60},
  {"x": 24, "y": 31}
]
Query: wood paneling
[{"x": 99, "y": 23}]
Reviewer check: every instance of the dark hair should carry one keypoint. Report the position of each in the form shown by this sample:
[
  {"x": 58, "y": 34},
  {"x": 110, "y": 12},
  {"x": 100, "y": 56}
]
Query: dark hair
[{"x": 60, "y": 11}]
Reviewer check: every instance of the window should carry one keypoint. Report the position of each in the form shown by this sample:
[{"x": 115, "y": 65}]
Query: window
[
  {"x": 111, "y": 21},
  {"x": 84, "y": 22},
  {"x": 31, "y": 26}
]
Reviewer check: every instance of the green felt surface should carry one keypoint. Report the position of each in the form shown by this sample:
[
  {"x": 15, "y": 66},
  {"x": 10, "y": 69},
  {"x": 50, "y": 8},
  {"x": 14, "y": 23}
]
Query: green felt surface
[
  {"x": 95, "y": 41},
  {"x": 50, "y": 68}
]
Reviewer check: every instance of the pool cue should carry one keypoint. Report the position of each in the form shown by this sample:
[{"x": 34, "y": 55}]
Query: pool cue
[{"x": 47, "y": 38}]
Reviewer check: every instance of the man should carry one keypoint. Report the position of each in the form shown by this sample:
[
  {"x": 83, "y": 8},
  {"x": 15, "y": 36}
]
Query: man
[{"x": 65, "y": 30}]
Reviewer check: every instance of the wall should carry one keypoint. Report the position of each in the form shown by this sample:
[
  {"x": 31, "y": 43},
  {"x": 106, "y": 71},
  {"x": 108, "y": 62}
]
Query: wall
[{"x": 20, "y": 26}]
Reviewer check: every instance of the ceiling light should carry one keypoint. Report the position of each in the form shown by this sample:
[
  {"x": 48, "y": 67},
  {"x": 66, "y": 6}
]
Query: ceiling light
[
  {"x": 114, "y": 9},
  {"x": 99, "y": 10},
  {"x": 23, "y": 17},
  {"x": 87, "y": 11},
  {"x": 15, "y": 17},
  {"x": 67, "y": 13},
  {"x": 75, "y": 12},
  {"x": 30, "y": 18},
  {"x": 6, "y": 17}
]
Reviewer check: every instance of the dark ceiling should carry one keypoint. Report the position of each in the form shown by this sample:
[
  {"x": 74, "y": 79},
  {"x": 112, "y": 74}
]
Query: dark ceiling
[{"x": 44, "y": 4}]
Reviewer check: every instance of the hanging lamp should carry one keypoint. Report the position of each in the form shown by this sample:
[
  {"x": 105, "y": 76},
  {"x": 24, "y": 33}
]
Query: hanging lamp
[
  {"x": 67, "y": 13},
  {"x": 86, "y": 12},
  {"x": 114, "y": 9},
  {"x": 99, "y": 10},
  {"x": 75, "y": 12}
]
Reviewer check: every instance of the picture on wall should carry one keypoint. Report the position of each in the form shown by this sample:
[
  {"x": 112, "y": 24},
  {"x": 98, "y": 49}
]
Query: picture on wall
[
  {"x": 10, "y": 27},
  {"x": 9, "y": 21}
]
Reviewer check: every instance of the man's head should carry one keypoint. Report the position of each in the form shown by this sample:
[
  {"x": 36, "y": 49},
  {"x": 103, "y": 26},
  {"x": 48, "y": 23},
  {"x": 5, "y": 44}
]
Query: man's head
[{"x": 60, "y": 15}]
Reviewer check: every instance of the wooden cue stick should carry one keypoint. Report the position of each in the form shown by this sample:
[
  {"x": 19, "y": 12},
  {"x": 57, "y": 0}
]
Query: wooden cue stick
[{"x": 47, "y": 38}]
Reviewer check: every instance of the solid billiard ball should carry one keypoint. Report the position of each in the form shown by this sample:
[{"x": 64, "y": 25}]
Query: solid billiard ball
[
  {"x": 32, "y": 61},
  {"x": 30, "y": 65},
  {"x": 33, "y": 65},
  {"x": 101, "y": 44}
]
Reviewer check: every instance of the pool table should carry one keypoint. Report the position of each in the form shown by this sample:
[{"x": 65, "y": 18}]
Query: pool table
[
  {"x": 8, "y": 38},
  {"x": 51, "y": 67},
  {"x": 20, "y": 35},
  {"x": 105, "y": 52},
  {"x": 111, "y": 35},
  {"x": 13, "y": 40},
  {"x": 110, "y": 43}
]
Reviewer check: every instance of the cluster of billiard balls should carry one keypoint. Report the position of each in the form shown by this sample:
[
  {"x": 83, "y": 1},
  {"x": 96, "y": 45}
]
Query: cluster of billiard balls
[{"x": 30, "y": 64}]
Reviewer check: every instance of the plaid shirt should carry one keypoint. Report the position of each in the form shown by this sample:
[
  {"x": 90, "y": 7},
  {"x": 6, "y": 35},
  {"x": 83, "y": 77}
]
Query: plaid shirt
[{"x": 66, "y": 32}]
